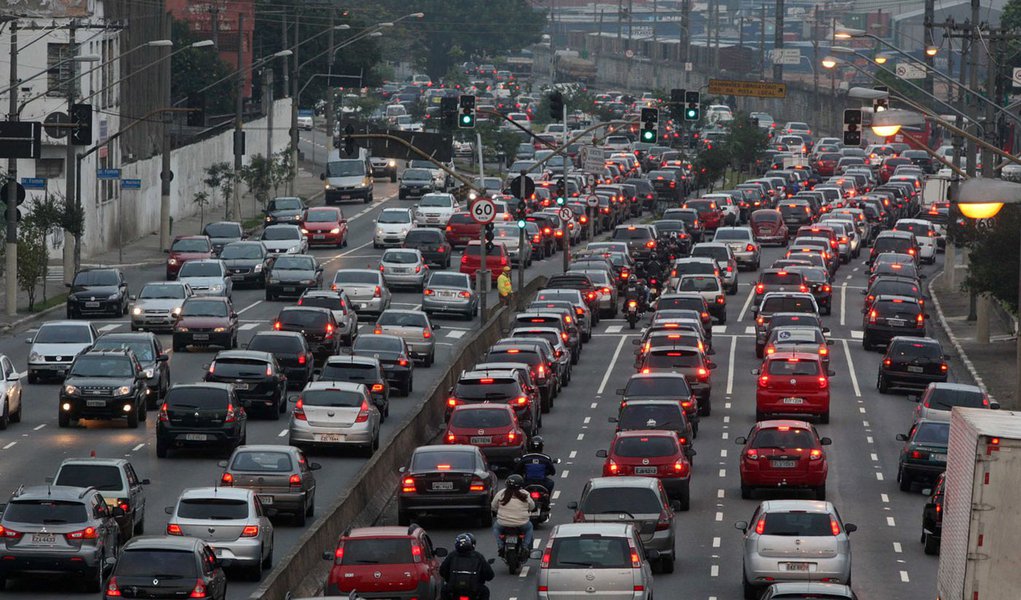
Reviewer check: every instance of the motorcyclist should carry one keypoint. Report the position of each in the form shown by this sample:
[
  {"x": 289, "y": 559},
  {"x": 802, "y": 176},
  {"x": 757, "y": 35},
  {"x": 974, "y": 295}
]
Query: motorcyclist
[
  {"x": 536, "y": 467},
  {"x": 653, "y": 270},
  {"x": 637, "y": 289},
  {"x": 465, "y": 571},
  {"x": 513, "y": 506}
]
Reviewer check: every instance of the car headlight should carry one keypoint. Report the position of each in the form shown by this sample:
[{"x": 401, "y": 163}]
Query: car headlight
[
  {"x": 257, "y": 269},
  {"x": 137, "y": 310},
  {"x": 308, "y": 282},
  {"x": 219, "y": 329},
  {"x": 149, "y": 373},
  {"x": 176, "y": 311},
  {"x": 34, "y": 357},
  {"x": 327, "y": 186},
  {"x": 123, "y": 390},
  {"x": 293, "y": 249},
  {"x": 171, "y": 261},
  {"x": 274, "y": 280},
  {"x": 304, "y": 231},
  {"x": 71, "y": 390},
  {"x": 268, "y": 218},
  {"x": 216, "y": 287},
  {"x": 392, "y": 163},
  {"x": 296, "y": 217},
  {"x": 335, "y": 230},
  {"x": 379, "y": 231},
  {"x": 182, "y": 329},
  {"x": 114, "y": 297}
]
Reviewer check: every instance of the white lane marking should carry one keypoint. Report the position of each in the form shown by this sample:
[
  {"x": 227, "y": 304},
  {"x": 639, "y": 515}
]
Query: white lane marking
[
  {"x": 723, "y": 453},
  {"x": 879, "y": 476},
  {"x": 556, "y": 494},
  {"x": 719, "y": 516},
  {"x": 857, "y": 335},
  {"x": 869, "y": 439},
  {"x": 726, "y": 405},
  {"x": 347, "y": 253},
  {"x": 524, "y": 572},
  {"x": 749, "y": 330},
  {"x": 890, "y": 522},
  {"x": 843, "y": 302},
  {"x": 564, "y": 474},
  {"x": 110, "y": 327},
  {"x": 848, "y": 277},
  {"x": 720, "y": 329},
  {"x": 581, "y": 436},
  {"x": 884, "y": 498},
  {"x": 249, "y": 307},
  {"x": 720, "y": 493},
  {"x": 897, "y": 548},
  {"x": 716, "y": 542},
  {"x": 138, "y": 447},
  {"x": 850, "y": 369},
  {"x": 595, "y": 404},
  {"x": 855, "y": 269},
  {"x": 614, "y": 329},
  {"x": 903, "y": 577},
  {"x": 714, "y": 571},
  {"x": 38, "y": 427},
  {"x": 613, "y": 361},
  {"x": 723, "y": 473},
  {"x": 861, "y": 409},
  {"x": 282, "y": 433},
  {"x": 730, "y": 365},
  {"x": 456, "y": 333},
  {"x": 587, "y": 420},
  {"x": 573, "y": 454},
  {"x": 747, "y": 303},
  {"x": 247, "y": 326},
  {"x": 725, "y": 435},
  {"x": 874, "y": 456},
  {"x": 9, "y": 445},
  {"x": 726, "y": 419},
  {"x": 865, "y": 423}
]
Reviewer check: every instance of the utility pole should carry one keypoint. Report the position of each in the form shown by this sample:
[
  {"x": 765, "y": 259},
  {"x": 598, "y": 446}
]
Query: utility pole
[
  {"x": 11, "y": 266},
  {"x": 294, "y": 105},
  {"x": 239, "y": 104},
  {"x": 655, "y": 18},
  {"x": 72, "y": 253},
  {"x": 283, "y": 39},
  {"x": 165, "y": 147},
  {"x": 930, "y": 61},
  {"x": 815, "y": 59},
  {"x": 630, "y": 26},
  {"x": 762, "y": 43},
  {"x": 214, "y": 8},
  {"x": 267, "y": 102},
  {"x": 329, "y": 88},
  {"x": 686, "y": 47},
  {"x": 778, "y": 40}
]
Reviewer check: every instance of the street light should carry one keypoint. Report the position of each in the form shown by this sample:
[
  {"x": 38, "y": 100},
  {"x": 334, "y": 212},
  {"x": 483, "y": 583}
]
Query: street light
[
  {"x": 829, "y": 62},
  {"x": 881, "y": 59},
  {"x": 931, "y": 50},
  {"x": 888, "y": 122}
]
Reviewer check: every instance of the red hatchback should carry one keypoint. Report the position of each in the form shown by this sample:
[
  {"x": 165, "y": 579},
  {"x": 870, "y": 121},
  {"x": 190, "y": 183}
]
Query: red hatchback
[
  {"x": 768, "y": 227},
  {"x": 492, "y": 427},
  {"x": 783, "y": 454},
  {"x": 461, "y": 229},
  {"x": 326, "y": 226},
  {"x": 708, "y": 211},
  {"x": 792, "y": 383},
  {"x": 496, "y": 260},
  {"x": 185, "y": 248},
  {"x": 391, "y": 562},
  {"x": 651, "y": 453}
]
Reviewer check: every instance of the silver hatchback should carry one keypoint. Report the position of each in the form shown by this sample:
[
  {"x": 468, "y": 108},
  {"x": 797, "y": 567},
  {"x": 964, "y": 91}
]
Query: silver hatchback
[
  {"x": 415, "y": 328},
  {"x": 365, "y": 288},
  {"x": 403, "y": 267},
  {"x": 335, "y": 414},
  {"x": 231, "y": 520},
  {"x": 795, "y": 540},
  {"x": 602, "y": 559}
]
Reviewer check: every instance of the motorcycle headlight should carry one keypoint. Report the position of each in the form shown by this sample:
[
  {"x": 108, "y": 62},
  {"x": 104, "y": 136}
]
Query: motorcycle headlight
[
  {"x": 71, "y": 390},
  {"x": 114, "y": 297},
  {"x": 149, "y": 373},
  {"x": 123, "y": 390},
  {"x": 34, "y": 357},
  {"x": 257, "y": 269},
  {"x": 136, "y": 310}
]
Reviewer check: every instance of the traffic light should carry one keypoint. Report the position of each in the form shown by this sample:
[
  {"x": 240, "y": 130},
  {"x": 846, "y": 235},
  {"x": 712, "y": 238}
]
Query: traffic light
[
  {"x": 81, "y": 116},
  {"x": 561, "y": 193},
  {"x": 852, "y": 127},
  {"x": 467, "y": 118},
  {"x": 520, "y": 212},
  {"x": 556, "y": 105},
  {"x": 880, "y": 104},
  {"x": 677, "y": 104},
  {"x": 692, "y": 110},
  {"x": 489, "y": 237},
  {"x": 521, "y": 223},
  {"x": 650, "y": 116},
  {"x": 448, "y": 111}
]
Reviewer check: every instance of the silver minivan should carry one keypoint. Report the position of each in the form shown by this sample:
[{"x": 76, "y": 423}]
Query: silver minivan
[
  {"x": 606, "y": 560},
  {"x": 347, "y": 177}
]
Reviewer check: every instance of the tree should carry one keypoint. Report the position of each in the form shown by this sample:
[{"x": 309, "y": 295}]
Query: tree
[
  {"x": 33, "y": 260},
  {"x": 202, "y": 199},
  {"x": 281, "y": 173},
  {"x": 496, "y": 140},
  {"x": 220, "y": 176},
  {"x": 745, "y": 142},
  {"x": 258, "y": 176},
  {"x": 49, "y": 215},
  {"x": 994, "y": 259},
  {"x": 710, "y": 165},
  {"x": 195, "y": 68}
]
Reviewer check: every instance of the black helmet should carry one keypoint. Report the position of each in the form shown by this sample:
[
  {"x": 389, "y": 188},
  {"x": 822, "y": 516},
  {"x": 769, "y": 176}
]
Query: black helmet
[
  {"x": 464, "y": 543},
  {"x": 535, "y": 444},
  {"x": 515, "y": 482}
]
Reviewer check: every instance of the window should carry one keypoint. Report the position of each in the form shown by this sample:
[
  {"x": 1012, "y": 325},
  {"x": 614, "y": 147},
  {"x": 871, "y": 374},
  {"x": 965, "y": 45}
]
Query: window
[{"x": 58, "y": 76}]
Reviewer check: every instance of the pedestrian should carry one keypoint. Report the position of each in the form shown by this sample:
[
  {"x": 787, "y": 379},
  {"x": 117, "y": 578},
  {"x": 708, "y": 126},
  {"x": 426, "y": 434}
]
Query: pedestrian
[{"x": 504, "y": 286}]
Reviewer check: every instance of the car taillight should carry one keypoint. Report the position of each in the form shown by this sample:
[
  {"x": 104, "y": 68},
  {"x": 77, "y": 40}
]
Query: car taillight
[
  {"x": 763, "y": 380},
  {"x": 681, "y": 468},
  {"x": 943, "y": 369},
  {"x": 452, "y": 402},
  {"x": 834, "y": 526},
  {"x": 174, "y": 529},
  {"x": 770, "y": 350},
  {"x": 302, "y": 359},
  {"x": 426, "y": 333},
  {"x": 703, "y": 373},
  {"x": 377, "y": 387},
  {"x": 163, "y": 416},
  {"x": 363, "y": 413},
  {"x": 721, "y": 299},
  {"x": 823, "y": 381},
  {"x": 872, "y": 316},
  {"x": 803, "y": 289},
  {"x": 402, "y": 362},
  {"x": 89, "y": 533},
  {"x": 760, "y": 288},
  {"x": 520, "y": 401},
  {"x": 920, "y": 320},
  {"x": 111, "y": 588},
  {"x": 231, "y": 417},
  {"x": 227, "y": 479},
  {"x": 824, "y": 350},
  {"x": 544, "y": 564},
  {"x": 377, "y": 293},
  {"x": 826, "y": 287},
  {"x": 464, "y": 258},
  {"x": 760, "y": 525},
  {"x": 408, "y": 485},
  {"x": 199, "y": 591},
  {"x": 253, "y": 530},
  {"x": 299, "y": 411},
  {"x": 477, "y": 485},
  {"x": 815, "y": 454},
  {"x": 612, "y": 468},
  {"x": 9, "y": 534},
  {"x": 751, "y": 454},
  {"x": 329, "y": 334}
]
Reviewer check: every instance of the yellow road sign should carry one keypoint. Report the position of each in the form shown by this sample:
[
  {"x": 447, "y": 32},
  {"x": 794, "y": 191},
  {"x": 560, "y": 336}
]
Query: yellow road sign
[{"x": 757, "y": 89}]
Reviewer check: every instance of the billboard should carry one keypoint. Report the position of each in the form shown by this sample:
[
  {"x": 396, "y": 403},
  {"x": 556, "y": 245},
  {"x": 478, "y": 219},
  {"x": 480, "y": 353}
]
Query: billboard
[{"x": 47, "y": 8}]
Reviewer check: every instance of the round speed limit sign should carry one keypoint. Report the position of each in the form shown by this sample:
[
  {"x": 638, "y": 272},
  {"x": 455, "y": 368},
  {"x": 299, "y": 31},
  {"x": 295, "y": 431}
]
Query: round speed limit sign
[{"x": 483, "y": 210}]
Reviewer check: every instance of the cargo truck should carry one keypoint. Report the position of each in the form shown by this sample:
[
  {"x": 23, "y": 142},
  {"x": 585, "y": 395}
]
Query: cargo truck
[{"x": 980, "y": 557}]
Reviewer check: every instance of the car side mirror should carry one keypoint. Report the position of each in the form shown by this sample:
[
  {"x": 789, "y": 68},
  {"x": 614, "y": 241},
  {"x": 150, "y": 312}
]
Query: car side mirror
[
  {"x": 690, "y": 452},
  {"x": 402, "y": 469},
  {"x": 740, "y": 440},
  {"x": 222, "y": 464},
  {"x": 132, "y": 297},
  {"x": 825, "y": 441},
  {"x": 923, "y": 276},
  {"x": 741, "y": 525},
  {"x": 168, "y": 509},
  {"x": 612, "y": 419},
  {"x": 850, "y": 528},
  {"x": 825, "y": 329},
  {"x": 536, "y": 554},
  {"x": 914, "y": 397},
  {"x": 314, "y": 466},
  {"x": 754, "y": 371},
  {"x": 162, "y": 358},
  {"x": 440, "y": 552},
  {"x": 556, "y": 461},
  {"x": 601, "y": 454},
  {"x": 293, "y": 398},
  {"x": 322, "y": 176},
  {"x": 111, "y": 560},
  {"x": 233, "y": 315},
  {"x": 329, "y": 554},
  {"x": 711, "y": 365},
  {"x": 831, "y": 373},
  {"x": 926, "y": 491},
  {"x": 993, "y": 405},
  {"x": 28, "y": 340},
  {"x": 572, "y": 505},
  {"x": 902, "y": 437},
  {"x": 225, "y": 563},
  {"x": 48, "y": 480}
]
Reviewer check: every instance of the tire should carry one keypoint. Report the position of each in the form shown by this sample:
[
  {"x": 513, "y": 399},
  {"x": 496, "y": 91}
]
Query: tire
[
  {"x": 133, "y": 419},
  {"x": 178, "y": 347},
  {"x": 33, "y": 378},
  {"x": 931, "y": 544},
  {"x": 274, "y": 411},
  {"x": 904, "y": 480},
  {"x": 486, "y": 517},
  {"x": 269, "y": 297},
  {"x": 666, "y": 563},
  {"x": 5, "y": 420},
  {"x": 513, "y": 562},
  {"x": 63, "y": 420},
  {"x": 393, "y": 177},
  {"x": 139, "y": 528},
  {"x": 882, "y": 385},
  {"x": 300, "y": 519},
  {"x": 685, "y": 498},
  {"x": 824, "y": 418},
  {"x": 760, "y": 416},
  {"x": 142, "y": 414},
  {"x": 750, "y": 591},
  {"x": 705, "y": 408},
  {"x": 255, "y": 571},
  {"x": 820, "y": 492},
  {"x": 430, "y": 359},
  {"x": 16, "y": 418},
  {"x": 865, "y": 343},
  {"x": 94, "y": 583},
  {"x": 746, "y": 492}
]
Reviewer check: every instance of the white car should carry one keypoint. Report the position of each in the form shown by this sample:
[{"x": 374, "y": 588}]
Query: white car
[
  {"x": 520, "y": 118},
  {"x": 434, "y": 210},
  {"x": 305, "y": 122},
  {"x": 156, "y": 307},
  {"x": 719, "y": 113},
  {"x": 10, "y": 393},
  {"x": 926, "y": 235},
  {"x": 407, "y": 123},
  {"x": 392, "y": 226},
  {"x": 284, "y": 239},
  {"x": 55, "y": 345},
  {"x": 207, "y": 277}
]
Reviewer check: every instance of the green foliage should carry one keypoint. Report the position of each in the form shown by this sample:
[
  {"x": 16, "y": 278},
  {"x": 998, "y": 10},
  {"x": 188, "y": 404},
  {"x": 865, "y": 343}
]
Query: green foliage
[
  {"x": 33, "y": 259},
  {"x": 258, "y": 176},
  {"x": 498, "y": 141},
  {"x": 195, "y": 68},
  {"x": 282, "y": 171},
  {"x": 202, "y": 199},
  {"x": 710, "y": 165},
  {"x": 221, "y": 176},
  {"x": 994, "y": 259},
  {"x": 745, "y": 142}
]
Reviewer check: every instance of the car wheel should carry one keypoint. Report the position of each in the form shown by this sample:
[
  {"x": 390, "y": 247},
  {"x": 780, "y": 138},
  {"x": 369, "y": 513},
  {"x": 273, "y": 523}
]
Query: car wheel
[
  {"x": 666, "y": 563},
  {"x": 882, "y": 385},
  {"x": 486, "y": 516},
  {"x": 267, "y": 563},
  {"x": 760, "y": 416},
  {"x": 33, "y": 378},
  {"x": 63, "y": 419},
  {"x": 255, "y": 571},
  {"x": 94, "y": 581},
  {"x": 825, "y": 418},
  {"x": 750, "y": 591},
  {"x": 685, "y": 497},
  {"x": 746, "y": 492},
  {"x": 5, "y": 420},
  {"x": 705, "y": 408},
  {"x": 300, "y": 518},
  {"x": 16, "y": 418},
  {"x": 430, "y": 359},
  {"x": 931, "y": 544},
  {"x": 142, "y": 416},
  {"x": 133, "y": 419}
]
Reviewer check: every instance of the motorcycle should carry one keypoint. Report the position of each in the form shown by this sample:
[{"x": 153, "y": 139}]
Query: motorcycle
[
  {"x": 514, "y": 550},
  {"x": 446, "y": 594},
  {"x": 632, "y": 313}
]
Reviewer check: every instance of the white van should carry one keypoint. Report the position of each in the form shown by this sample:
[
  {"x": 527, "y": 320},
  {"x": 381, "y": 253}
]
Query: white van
[{"x": 347, "y": 177}]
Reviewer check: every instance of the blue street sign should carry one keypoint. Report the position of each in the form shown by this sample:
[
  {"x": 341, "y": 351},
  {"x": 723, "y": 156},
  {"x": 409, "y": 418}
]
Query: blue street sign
[
  {"x": 108, "y": 173},
  {"x": 33, "y": 183},
  {"x": 131, "y": 184}
]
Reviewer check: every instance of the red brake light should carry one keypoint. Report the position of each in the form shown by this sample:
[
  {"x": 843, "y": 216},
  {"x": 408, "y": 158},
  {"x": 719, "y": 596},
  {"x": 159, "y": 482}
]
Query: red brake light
[
  {"x": 363, "y": 416},
  {"x": 199, "y": 591},
  {"x": 408, "y": 485},
  {"x": 250, "y": 531},
  {"x": 760, "y": 526},
  {"x": 227, "y": 479},
  {"x": 834, "y": 526},
  {"x": 89, "y": 533},
  {"x": 174, "y": 529},
  {"x": 112, "y": 589}
]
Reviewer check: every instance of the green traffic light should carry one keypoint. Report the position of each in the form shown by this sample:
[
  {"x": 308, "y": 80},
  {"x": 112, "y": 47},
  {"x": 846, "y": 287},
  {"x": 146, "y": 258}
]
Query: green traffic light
[
  {"x": 648, "y": 135},
  {"x": 691, "y": 114},
  {"x": 560, "y": 200},
  {"x": 521, "y": 223}
]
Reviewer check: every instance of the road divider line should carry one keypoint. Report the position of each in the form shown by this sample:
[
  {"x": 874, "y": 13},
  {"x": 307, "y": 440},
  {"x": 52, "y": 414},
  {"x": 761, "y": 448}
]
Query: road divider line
[
  {"x": 456, "y": 333},
  {"x": 556, "y": 494},
  {"x": 573, "y": 454},
  {"x": 248, "y": 326},
  {"x": 282, "y": 433},
  {"x": 723, "y": 473},
  {"x": 565, "y": 473},
  {"x": 897, "y": 548},
  {"x": 875, "y": 457},
  {"x": 524, "y": 572},
  {"x": 249, "y": 307},
  {"x": 10, "y": 445},
  {"x": 730, "y": 365},
  {"x": 595, "y": 404},
  {"x": 723, "y": 453},
  {"x": 884, "y": 498},
  {"x": 879, "y": 476},
  {"x": 613, "y": 361},
  {"x": 714, "y": 571},
  {"x": 138, "y": 447},
  {"x": 890, "y": 522},
  {"x": 719, "y": 516},
  {"x": 903, "y": 576},
  {"x": 110, "y": 327},
  {"x": 720, "y": 493},
  {"x": 843, "y": 303},
  {"x": 725, "y": 435},
  {"x": 581, "y": 436},
  {"x": 850, "y": 369},
  {"x": 747, "y": 303},
  {"x": 749, "y": 330},
  {"x": 38, "y": 427}
]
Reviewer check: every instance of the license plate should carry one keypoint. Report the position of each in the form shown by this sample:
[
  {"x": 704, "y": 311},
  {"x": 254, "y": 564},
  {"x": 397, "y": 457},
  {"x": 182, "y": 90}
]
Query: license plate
[
  {"x": 345, "y": 196},
  {"x": 363, "y": 306},
  {"x": 195, "y": 437},
  {"x": 793, "y": 400},
  {"x": 329, "y": 437},
  {"x": 241, "y": 386},
  {"x": 396, "y": 270},
  {"x": 95, "y": 403},
  {"x": 237, "y": 277},
  {"x": 200, "y": 336},
  {"x": 793, "y": 566},
  {"x": 915, "y": 369},
  {"x": 895, "y": 322},
  {"x": 646, "y": 470},
  {"x": 266, "y": 499},
  {"x": 92, "y": 305},
  {"x": 481, "y": 439},
  {"x": 44, "y": 538},
  {"x": 319, "y": 236},
  {"x": 939, "y": 457},
  {"x": 290, "y": 288},
  {"x": 443, "y": 485},
  {"x": 783, "y": 464}
]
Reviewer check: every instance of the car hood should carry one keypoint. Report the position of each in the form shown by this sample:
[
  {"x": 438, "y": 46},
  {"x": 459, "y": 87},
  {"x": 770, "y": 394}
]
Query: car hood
[
  {"x": 202, "y": 322},
  {"x": 99, "y": 291},
  {"x": 290, "y": 275},
  {"x": 159, "y": 304},
  {"x": 190, "y": 255},
  {"x": 242, "y": 262},
  {"x": 292, "y": 214},
  {"x": 417, "y": 181},
  {"x": 50, "y": 349},
  {"x": 98, "y": 381},
  {"x": 320, "y": 226},
  {"x": 394, "y": 227},
  {"x": 223, "y": 241},
  {"x": 202, "y": 281}
]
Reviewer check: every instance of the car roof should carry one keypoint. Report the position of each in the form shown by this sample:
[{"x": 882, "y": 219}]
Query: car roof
[
  {"x": 161, "y": 542},
  {"x": 246, "y": 354},
  {"x": 961, "y": 387},
  {"x": 348, "y": 358},
  {"x": 817, "y": 506},
  {"x": 95, "y": 460},
  {"x": 580, "y": 529},
  {"x": 343, "y": 386},
  {"x": 773, "y": 423},
  {"x": 812, "y": 587},
  {"x": 61, "y": 492},
  {"x": 230, "y": 493},
  {"x": 624, "y": 482}
]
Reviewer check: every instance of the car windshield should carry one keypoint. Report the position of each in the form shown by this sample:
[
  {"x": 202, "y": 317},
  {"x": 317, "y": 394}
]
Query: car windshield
[
  {"x": 403, "y": 319},
  {"x": 63, "y": 334},
  {"x": 97, "y": 277},
  {"x": 783, "y": 437},
  {"x": 480, "y": 418},
  {"x": 658, "y": 386},
  {"x": 443, "y": 460},
  {"x": 394, "y": 216},
  {"x": 142, "y": 348},
  {"x": 632, "y": 233},
  {"x": 167, "y": 564},
  {"x": 322, "y": 216},
  {"x": 311, "y": 317},
  {"x": 276, "y": 343},
  {"x": 669, "y": 359},
  {"x": 384, "y": 551},
  {"x": 332, "y": 302},
  {"x": 417, "y": 174},
  {"x": 281, "y": 233},
  {"x": 262, "y": 461},
  {"x": 787, "y": 304},
  {"x": 204, "y": 308},
  {"x": 400, "y": 257},
  {"x": 438, "y": 201},
  {"x": 201, "y": 269},
  {"x": 717, "y": 253},
  {"x": 213, "y": 509},
  {"x": 590, "y": 552},
  {"x": 612, "y": 500},
  {"x": 724, "y": 235},
  {"x": 792, "y": 366},
  {"x": 797, "y": 523},
  {"x": 698, "y": 284},
  {"x": 356, "y": 277},
  {"x": 376, "y": 343},
  {"x": 235, "y": 251},
  {"x": 195, "y": 397},
  {"x": 294, "y": 263},
  {"x": 650, "y": 416},
  {"x": 239, "y": 367},
  {"x": 945, "y": 399},
  {"x": 345, "y": 168},
  {"x": 486, "y": 388},
  {"x": 162, "y": 291},
  {"x": 223, "y": 230},
  {"x": 645, "y": 446},
  {"x": 105, "y": 478},
  {"x": 354, "y": 372},
  {"x": 190, "y": 245},
  {"x": 331, "y": 397},
  {"x": 45, "y": 512},
  {"x": 781, "y": 278}
]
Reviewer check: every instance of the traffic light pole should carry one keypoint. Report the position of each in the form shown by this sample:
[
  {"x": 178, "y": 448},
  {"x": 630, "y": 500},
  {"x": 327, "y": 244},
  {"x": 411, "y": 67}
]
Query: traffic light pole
[
  {"x": 11, "y": 267},
  {"x": 521, "y": 245},
  {"x": 483, "y": 272},
  {"x": 567, "y": 232}
]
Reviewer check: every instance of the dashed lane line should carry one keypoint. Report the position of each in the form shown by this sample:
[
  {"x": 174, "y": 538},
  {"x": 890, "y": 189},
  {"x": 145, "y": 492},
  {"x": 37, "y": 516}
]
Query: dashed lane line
[
  {"x": 890, "y": 522},
  {"x": 903, "y": 577},
  {"x": 573, "y": 454},
  {"x": 565, "y": 473},
  {"x": 879, "y": 476},
  {"x": 719, "y": 516},
  {"x": 249, "y": 307},
  {"x": 897, "y": 548},
  {"x": 248, "y": 326},
  {"x": 749, "y": 330},
  {"x": 609, "y": 370},
  {"x": 747, "y": 303},
  {"x": 282, "y": 433},
  {"x": 714, "y": 571},
  {"x": 10, "y": 445},
  {"x": 138, "y": 447},
  {"x": 38, "y": 427},
  {"x": 730, "y": 366},
  {"x": 843, "y": 303},
  {"x": 884, "y": 498},
  {"x": 723, "y": 473},
  {"x": 850, "y": 369},
  {"x": 456, "y": 333},
  {"x": 716, "y": 542},
  {"x": 581, "y": 436},
  {"x": 614, "y": 329}
]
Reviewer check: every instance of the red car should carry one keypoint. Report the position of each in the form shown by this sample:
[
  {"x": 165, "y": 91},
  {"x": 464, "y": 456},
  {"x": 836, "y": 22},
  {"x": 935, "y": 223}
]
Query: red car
[
  {"x": 826, "y": 164},
  {"x": 185, "y": 248},
  {"x": 325, "y": 225},
  {"x": 783, "y": 454},
  {"x": 768, "y": 227},
  {"x": 492, "y": 427},
  {"x": 708, "y": 211},
  {"x": 471, "y": 259},
  {"x": 652, "y": 453},
  {"x": 792, "y": 383},
  {"x": 396, "y": 562},
  {"x": 461, "y": 229}
]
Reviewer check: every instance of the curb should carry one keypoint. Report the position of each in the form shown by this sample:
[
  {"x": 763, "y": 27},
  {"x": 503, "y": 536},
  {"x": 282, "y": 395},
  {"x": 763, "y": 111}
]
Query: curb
[
  {"x": 8, "y": 327},
  {"x": 953, "y": 338}
]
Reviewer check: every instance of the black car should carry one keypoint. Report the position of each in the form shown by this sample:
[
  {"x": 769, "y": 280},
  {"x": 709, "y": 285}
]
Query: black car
[
  {"x": 676, "y": 232},
  {"x": 912, "y": 363},
  {"x": 292, "y": 352},
  {"x": 292, "y": 274},
  {"x": 201, "y": 415},
  {"x": 452, "y": 479},
  {"x": 657, "y": 414},
  {"x": 285, "y": 209},
  {"x": 103, "y": 384},
  {"x": 167, "y": 567},
  {"x": 645, "y": 192},
  {"x": 543, "y": 371},
  {"x": 892, "y": 316},
  {"x": 246, "y": 262},
  {"x": 666, "y": 186},
  {"x": 433, "y": 245},
  {"x": 932, "y": 516},
  {"x": 393, "y": 355},
  {"x": 222, "y": 233},
  {"x": 148, "y": 349},
  {"x": 415, "y": 182},
  {"x": 818, "y": 282},
  {"x": 360, "y": 369},
  {"x": 338, "y": 302},
  {"x": 318, "y": 325},
  {"x": 666, "y": 386},
  {"x": 259, "y": 382},
  {"x": 97, "y": 292},
  {"x": 485, "y": 385}
]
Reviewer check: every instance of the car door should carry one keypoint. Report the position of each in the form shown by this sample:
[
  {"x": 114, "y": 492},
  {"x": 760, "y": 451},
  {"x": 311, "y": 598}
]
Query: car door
[
  {"x": 136, "y": 494},
  {"x": 109, "y": 531},
  {"x": 122, "y": 286},
  {"x": 308, "y": 480},
  {"x": 216, "y": 580},
  {"x": 11, "y": 385}
]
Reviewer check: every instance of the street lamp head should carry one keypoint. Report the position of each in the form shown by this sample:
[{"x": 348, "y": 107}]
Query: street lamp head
[
  {"x": 282, "y": 53},
  {"x": 829, "y": 62},
  {"x": 88, "y": 58},
  {"x": 931, "y": 51},
  {"x": 342, "y": 27},
  {"x": 160, "y": 43},
  {"x": 881, "y": 59},
  {"x": 202, "y": 44},
  {"x": 846, "y": 34},
  {"x": 417, "y": 15},
  {"x": 885, "y": 130},
  {"x": 385, "y": 24},
  {"x": 982, "y": 198},
  {"x": 375, "y": 34}
]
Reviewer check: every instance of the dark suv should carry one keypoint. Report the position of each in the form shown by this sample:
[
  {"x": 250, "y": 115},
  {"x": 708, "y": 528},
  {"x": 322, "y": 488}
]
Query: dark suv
[
  {"x": 912, "y": 363},
  {"x": 167, "y": 567},
  {"x": 150, "y": 354},
  {"x": 201, "y": 415},
  {"x": 257, "y": 379},
  {"x": 54, "y": 529},
  {"x": 98, "y": 292},
  {"x": 318, "y": 325},
  {"x": 491, "y": 386},
  {"x": 103, "y": 384},
  {"x": 892, "y": 316},
  {"x": 292, "y": 352}
]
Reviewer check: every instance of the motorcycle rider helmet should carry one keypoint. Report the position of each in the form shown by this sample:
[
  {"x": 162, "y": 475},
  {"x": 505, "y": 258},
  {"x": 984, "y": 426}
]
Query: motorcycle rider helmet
[
  {"x": 464, "y": 543},
  {"x": 515, "y": 482},
  {"x": 535, "y": 444}
]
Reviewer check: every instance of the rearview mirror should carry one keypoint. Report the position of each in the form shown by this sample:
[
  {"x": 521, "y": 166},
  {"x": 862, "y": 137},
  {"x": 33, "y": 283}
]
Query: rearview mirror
[
  {"x": 270, "y": 512},
  {"x": 440, "y": 552},
  {"x": 402, "y": 469},
  {"x": 314, "y": 466},
  {"x": 572, "y": 505},
  {"x": 741, "y": 525},
  {"x": 754, "y": 371},
  {"x": 168, "y": 509},
  {"x": 926, "y": 491},
  {"x": 611, "y": 419},
  {"x": 111, "y": 560},
  {"x": 536, "y": 554},
  {"x": 829, "y": 342},
  {"x": 329, "y": 554},
  {"x": 901, "y": 437},
  {"x": 132, "y": 297},
  {"x": 825, "y": 441},
  {"x": 741, "y": 440},
  {"x": 652, "y": 554},
  {"x": 222, "y": 464},
  {"x": 601, "y": 454},
  {"x": 322, "y": 176},
  {"x": 711, "y": 365},
  {"x": 636, "y": 342},
  {"x": 146, "y": 481},
  {"x": 850, "y": 528},
  {"x": 163, "y": 358}
]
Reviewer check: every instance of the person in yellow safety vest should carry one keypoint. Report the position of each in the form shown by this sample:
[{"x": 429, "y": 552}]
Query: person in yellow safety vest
[{"x": 503, "y": 285}]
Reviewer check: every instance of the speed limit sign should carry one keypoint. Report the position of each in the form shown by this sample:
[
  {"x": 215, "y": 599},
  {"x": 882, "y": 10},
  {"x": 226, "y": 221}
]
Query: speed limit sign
[
  {"x": 566, "y": 213},
  {"x": 483, "y": 210},
  {"x": 592, "y": 201}
]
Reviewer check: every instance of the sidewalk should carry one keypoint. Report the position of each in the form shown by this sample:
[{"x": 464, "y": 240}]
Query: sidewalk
[
  {"x": 145, "y": 251},
  {"x": 991, "y": 366}
]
